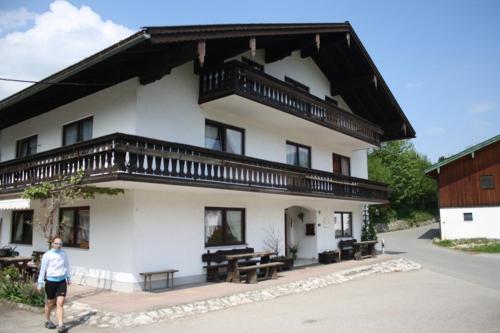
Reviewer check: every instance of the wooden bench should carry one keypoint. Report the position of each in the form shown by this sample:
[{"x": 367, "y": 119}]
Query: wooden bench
[
  {"x": 168, "y": 272},
  {"x": 251, "y": 271},
  {"x": 346, "y": 248},
  {"x": 368, "y": 247},
  {"x": 214, "y": 271}
]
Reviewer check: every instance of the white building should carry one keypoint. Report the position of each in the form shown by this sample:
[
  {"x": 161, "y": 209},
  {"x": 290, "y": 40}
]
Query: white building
[
  {"x": 217, "y": 134},
  {"x": 469, "y": 192}
]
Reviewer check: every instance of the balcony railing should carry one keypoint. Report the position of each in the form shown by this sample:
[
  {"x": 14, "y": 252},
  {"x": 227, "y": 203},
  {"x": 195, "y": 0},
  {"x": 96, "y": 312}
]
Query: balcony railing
[
  {"x": 238, "y": 78},
  {"x": 126, "y": 157}
]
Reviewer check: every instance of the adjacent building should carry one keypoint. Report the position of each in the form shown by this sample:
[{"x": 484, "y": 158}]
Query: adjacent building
[
  {"x": 469, "y": 191},
  {"x": 220, "y": 135}
]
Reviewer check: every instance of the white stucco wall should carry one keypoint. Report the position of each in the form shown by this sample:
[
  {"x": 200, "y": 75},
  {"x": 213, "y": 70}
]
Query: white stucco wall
[
  {"x": 113, "y": 110},
  {"x": 146, "y": 230},
  {"x": 107, "y": 263},
  {"x": 485, "y": 223},
  {"x": 359, "y": 163}
]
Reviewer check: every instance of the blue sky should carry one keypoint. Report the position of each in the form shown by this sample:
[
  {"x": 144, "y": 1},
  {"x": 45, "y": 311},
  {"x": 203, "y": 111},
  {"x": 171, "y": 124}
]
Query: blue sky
[{"x": 441, "y": 59}]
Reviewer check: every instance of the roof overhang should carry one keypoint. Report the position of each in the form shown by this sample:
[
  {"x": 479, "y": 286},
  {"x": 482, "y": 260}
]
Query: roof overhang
[
  {"x": 434, "y": 170},
  {"x": 152, "y": 52}
]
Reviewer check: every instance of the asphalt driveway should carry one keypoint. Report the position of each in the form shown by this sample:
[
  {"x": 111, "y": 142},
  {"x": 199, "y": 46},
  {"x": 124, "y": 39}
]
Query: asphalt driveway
[{"x": 416, "y": 244}]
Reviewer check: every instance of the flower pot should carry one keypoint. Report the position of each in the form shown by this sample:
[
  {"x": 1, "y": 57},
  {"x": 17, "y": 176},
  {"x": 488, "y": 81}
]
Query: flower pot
[{"x": 327, "y": 257}]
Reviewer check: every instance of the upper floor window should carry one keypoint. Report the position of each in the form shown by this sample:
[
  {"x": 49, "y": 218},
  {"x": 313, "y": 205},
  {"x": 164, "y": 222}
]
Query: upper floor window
[
  {"x": 26, "y": 147},
  {"x": 80, "y": 130},
  {"x": 487, "y": 182},
  {"x": 296, "y": 84},
  {"x": 74, "y": 226},
  {"x": 253, "y": 64},
  {"x": 297, "y": 154},
  {"x": 224, "y": 226},
  {"x": 224, "y": 137},
  {"x": 341, "y": 165},
  {"x": 22, "y": 227}
]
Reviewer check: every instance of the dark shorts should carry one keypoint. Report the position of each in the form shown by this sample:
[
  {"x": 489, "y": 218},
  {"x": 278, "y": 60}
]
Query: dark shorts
[{"x": 55, "y": 289}]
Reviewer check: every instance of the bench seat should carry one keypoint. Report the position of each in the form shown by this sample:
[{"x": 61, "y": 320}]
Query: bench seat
[
  {"x": 251, "y": 270},
  {"x": 168, "y": 272}
]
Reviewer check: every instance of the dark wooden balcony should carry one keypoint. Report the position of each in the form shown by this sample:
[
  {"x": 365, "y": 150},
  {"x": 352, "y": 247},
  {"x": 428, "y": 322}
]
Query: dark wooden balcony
[
  {"x": 235, "y": 77},
  {"x": 132, "y": 158}
]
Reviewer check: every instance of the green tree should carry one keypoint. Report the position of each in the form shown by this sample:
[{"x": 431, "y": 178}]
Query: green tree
[
  {"x": 66, "y": 189},
  {"x": 402, "y": 167}
]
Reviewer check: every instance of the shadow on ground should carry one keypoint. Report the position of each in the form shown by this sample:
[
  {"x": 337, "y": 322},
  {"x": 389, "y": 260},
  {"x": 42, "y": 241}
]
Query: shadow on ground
[
  {"x": 80, "y": 321},
  {"x": 430, "y": 234}
]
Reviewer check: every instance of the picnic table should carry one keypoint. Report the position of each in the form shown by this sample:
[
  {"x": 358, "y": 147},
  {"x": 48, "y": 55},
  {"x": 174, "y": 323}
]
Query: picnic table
[
  {"x": 17, "y": 261},
  {"x": 234, "y": 270}
]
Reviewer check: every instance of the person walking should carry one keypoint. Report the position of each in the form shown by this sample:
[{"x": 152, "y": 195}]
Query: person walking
[{"x": 55, "y": 276}]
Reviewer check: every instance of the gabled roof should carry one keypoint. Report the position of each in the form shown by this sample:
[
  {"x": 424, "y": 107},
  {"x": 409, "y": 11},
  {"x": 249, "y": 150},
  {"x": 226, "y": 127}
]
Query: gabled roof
[
  {"x": 461, "y": 154},
  {"x": 152, "y": 52}
]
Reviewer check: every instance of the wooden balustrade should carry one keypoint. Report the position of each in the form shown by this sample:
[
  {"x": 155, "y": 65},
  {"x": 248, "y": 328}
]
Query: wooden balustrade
[
  {"x": 238, "y": 78},
  {"x": 126, "y": 157}
]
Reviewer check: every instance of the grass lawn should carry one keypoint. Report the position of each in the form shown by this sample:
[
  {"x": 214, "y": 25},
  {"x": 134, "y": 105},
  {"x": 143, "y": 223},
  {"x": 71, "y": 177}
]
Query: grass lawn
[{"x": 482, "y": 245}]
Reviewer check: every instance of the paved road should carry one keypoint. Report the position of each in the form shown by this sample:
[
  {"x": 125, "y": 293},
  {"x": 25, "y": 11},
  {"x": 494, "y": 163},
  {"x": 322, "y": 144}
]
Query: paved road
[
  {"x": 418, "y": 301},
  {"x": 416, "y": 244},
  {"x": 455, "y": 292}
]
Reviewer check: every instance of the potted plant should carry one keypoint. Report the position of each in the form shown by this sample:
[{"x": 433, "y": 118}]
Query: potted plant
[
  {"x": 327, "y": 257},
  {"x": 293, "y": 250}
]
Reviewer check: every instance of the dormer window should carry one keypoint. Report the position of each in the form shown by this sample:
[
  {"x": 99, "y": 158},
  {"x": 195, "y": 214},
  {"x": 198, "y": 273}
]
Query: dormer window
[
  {"x": 224, "y": 137},
  {"x": 78, "y": 131}
]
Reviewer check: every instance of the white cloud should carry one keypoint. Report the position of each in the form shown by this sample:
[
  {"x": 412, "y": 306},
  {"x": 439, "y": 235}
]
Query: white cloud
[
  {"x": 417, "y": 84},
  {"x": 12, "y": 19},
  {"x": 482, "y": 107},
  {"x": 436, "y": 131},
  {"x": 59, "y": 37}
]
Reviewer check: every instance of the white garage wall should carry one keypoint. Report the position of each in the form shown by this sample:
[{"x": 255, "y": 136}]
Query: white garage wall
[{"x": 486, "y": 223}]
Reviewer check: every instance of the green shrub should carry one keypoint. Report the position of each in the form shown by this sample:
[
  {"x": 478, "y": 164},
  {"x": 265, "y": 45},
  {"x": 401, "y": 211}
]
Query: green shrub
[{"x": 14, "y": 289}]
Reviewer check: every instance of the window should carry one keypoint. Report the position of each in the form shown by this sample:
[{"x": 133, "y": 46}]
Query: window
[
  {"x": 296, "y": 84},
  {"x": 487, "y": 182},
  {"x": 22, "y": 227},
  {"x": 224, "y": 226},
  {"x": 74, "y": 226},
  {"x": 341, "y": 165},
  {"x": 26, "y": 147},
  {"x": 224, "y": 137},
  {"x": 78, "y": 131},
  {"x": 297, "y": 154},
  {"x": 253, "y": 64},
  {"x": 343, "y": 224},
  {"x": 467, "y": 217}
]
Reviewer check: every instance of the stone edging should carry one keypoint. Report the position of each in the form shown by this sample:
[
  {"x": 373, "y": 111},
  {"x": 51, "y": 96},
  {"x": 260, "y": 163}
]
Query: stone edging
[{"x": 84, "y": 314}]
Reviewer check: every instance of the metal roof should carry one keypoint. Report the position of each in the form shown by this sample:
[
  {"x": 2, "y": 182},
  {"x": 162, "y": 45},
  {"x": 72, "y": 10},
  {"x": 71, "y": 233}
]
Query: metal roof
[{"x": 463, "y": 153}]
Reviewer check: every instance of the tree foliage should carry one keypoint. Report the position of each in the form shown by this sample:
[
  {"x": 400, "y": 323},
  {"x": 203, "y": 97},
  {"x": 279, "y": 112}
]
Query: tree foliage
[
  {"x": 64, "y": 190},
  {"x": 402, "y": 167}
]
